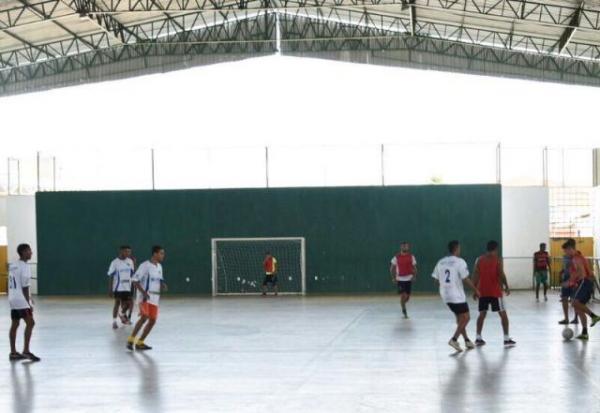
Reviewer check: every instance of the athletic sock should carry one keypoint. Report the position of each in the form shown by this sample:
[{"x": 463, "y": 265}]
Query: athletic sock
[
  {"x": 140, "y": 342},
  {"x": 115, "y": 319},
  {"x": 454, "y": 338},
  {"x": 131, "y": 339},
  {"x": 479, "y": 337},
  {"x": 506, "y": 337}
]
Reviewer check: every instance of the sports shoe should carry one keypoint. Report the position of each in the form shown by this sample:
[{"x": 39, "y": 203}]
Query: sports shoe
[
  {"x": 31, "y": 356},
  {"x": 129, "y": 346},
  {"x": 594, "y": 321},
  {"x": 510, "y": 342},
  {"x": 574, "y": 321},
  {"x": 469, "y": 345},
  {"x": 563, "y": 322},
  {"x": 455, "y": 345},
  {"x": 583, "y": 337},
  {"x": 404, "y": 313},
  {"x": 16, "y": 357},
  {"x": 479, "y": 342},
  {"x": 115, "y": 325},
  {"x": 142, "y": 347},
  {"x": 123, "y": 318},
  {"x": 545, "y": 298}
]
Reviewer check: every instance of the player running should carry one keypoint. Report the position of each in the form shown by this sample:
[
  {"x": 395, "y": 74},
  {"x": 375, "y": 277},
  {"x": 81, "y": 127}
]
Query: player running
[
  {"x": 149, "y": 281},
  {"x": 450, "y": 273},
  {"x": 567, "y": 290},
  {"x": 120, "y": 272},
  {"x": 489, "y": 278},
  {"x": 581, "y": 276},
  {"x": 270, "y": 268},
  {"x": 403, "y": 270},
  {"x": 541, "y": 269},
  {"x": 21, "y": 304}
]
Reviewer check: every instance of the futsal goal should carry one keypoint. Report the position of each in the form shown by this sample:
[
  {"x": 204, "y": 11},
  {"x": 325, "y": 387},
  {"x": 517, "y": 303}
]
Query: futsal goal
[{"x": 237, "y": 265}]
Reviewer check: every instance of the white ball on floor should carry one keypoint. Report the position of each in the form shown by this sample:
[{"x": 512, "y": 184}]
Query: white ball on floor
[
  {"x": 568, "y": 334},
  {"x": 187, "y": 279}
]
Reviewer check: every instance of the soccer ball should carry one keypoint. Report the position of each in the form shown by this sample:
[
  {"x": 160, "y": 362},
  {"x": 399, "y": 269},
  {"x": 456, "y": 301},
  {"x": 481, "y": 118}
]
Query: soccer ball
[{"x": 567, "y": 334}]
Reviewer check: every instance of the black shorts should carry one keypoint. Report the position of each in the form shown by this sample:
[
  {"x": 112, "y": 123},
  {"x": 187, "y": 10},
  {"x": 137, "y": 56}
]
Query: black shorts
[
  {"x": 270, "y": 279},
  {"x": 496, "y": 303},
  {"x": 20, "y": 314},
  {"x": 584, "y": 291},
  {"x": 566, "y": 292},
  {"x": 459, "y": 308},
  {"x": 404, "y": 287},
  {"x": 123, "y": 295}
]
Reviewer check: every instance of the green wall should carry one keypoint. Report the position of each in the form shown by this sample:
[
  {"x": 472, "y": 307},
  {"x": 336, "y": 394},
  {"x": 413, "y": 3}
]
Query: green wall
[{"x": 351, "y": 232}]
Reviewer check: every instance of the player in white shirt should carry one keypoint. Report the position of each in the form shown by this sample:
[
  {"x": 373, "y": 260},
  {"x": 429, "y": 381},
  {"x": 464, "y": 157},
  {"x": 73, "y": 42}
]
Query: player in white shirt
[
  {"x": 149, "y": 281},
  {"x": 450, "y": 273},
  {"x": 19, "y": 276},
  {"x": 120, "y": 273}
]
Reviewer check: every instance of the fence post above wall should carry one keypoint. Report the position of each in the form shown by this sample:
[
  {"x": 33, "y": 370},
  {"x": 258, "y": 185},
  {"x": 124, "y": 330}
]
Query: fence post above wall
[
  {"x": 267, "y": 166},
  {"x": 152, "y": 162},
  {"x": 498, "y": 164},
  {"x": 596, "y": 166},
  {"x": 382, "y": 165}
]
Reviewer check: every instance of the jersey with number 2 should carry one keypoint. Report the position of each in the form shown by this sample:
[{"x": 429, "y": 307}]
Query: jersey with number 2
[{"x": 450, "y": 272}]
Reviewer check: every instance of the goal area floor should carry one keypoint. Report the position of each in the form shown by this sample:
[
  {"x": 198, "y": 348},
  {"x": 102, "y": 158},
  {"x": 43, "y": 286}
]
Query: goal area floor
[{"x": 295, "y": 354}]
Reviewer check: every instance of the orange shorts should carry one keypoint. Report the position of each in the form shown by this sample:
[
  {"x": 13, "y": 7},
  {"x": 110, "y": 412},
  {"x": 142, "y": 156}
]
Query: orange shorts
[{"x": 149, "y": 310}]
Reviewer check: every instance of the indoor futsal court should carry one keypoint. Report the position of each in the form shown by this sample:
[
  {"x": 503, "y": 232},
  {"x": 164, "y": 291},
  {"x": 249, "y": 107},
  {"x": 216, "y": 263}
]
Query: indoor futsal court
[{"x": 307, "y": 206}]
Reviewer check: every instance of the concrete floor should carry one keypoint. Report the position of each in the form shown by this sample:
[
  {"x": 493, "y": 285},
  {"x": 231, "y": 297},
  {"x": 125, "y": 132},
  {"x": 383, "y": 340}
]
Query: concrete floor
[{"x": 291, "y": 354}]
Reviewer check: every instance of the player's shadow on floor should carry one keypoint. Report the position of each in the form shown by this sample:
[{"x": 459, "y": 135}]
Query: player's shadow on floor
[
  {"x": 23, "y": 387},
  {"x": 149, "y": 381}
]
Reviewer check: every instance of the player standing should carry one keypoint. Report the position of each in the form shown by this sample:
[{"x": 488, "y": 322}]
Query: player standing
[
  {"x": 120, "y": 272},
  {"x": 489, "y": 278},
  {"x": 270, "y": 268},
  {"x": 149, "y": 281},
  {"x": 566, "y": 287},
  {"x": 21, "y": 304},
  {"x": 541, "y": 268},
  {"x": 581, "y": 275},
  {"x": 450, "y": 273},
  {"x": 403, "y": 270}
]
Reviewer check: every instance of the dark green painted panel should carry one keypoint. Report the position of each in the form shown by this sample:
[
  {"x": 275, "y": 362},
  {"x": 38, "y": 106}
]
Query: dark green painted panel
[{"x": 351, "y": 233}]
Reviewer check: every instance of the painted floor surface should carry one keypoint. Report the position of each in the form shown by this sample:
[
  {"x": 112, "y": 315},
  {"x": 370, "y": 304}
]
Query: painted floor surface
[{"x": 292, "y": 354}]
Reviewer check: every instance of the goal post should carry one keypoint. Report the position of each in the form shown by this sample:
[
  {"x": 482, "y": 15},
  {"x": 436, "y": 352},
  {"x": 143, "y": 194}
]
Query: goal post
[{"x": 237, "y": 265}]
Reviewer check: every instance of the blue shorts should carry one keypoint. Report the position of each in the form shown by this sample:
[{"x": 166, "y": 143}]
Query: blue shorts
[{"x": 584, "y": 292}]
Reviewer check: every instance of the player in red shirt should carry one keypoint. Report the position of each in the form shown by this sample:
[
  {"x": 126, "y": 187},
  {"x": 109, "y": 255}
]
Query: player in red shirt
[
  {"x": 403, "y": 269},
  {"x": 270, "y": 268},
  {"x": 541, "y": 268},
  {"x": 581, "y": 278},
  {"x": 489, "y": 278}
]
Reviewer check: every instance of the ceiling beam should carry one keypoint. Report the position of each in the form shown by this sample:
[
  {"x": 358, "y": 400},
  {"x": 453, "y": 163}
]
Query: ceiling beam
[
  {"x": 107, "y": 22},
  {"x": 569, "y": 32}
]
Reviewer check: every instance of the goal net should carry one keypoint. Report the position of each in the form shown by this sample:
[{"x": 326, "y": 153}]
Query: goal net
[{"x": 237, "y": 265}]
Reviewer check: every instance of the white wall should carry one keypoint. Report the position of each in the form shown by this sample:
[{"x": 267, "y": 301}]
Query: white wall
[
  {"x": 21, "y": 223},
  {"x": 525, "y": 224},
  {"x": 3, "y": 211},
  {"x": 596, "y": 219}
]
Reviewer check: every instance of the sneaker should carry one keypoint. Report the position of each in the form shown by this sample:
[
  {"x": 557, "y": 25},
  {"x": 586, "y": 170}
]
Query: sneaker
[
  {"x": 563, "y": 322},
  {"x": 142, "y": 347},
  {"x": 404, "y": 313},
  {"x": 594, "y": 321},
  {"x": 123, "y": 318},
  {"x": 127, "y": 322},
  {"x": 264, "y": 294},
  {"x": 115, "y": 325},
  {"x": 479, "y": 342},
  {"x": 510, "y": 342},
  {"x": 583, "y": 337},
  {"x": 31, "y": 356},
  {"x": 545, "y": 298},
  {"x": 129, "y": 346},
  {"x": 16, "y": 357},
  {"x": 469, "y": 345},
  {"x": 455, "y": 345},
  {"x": 574, "y": 321}
]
